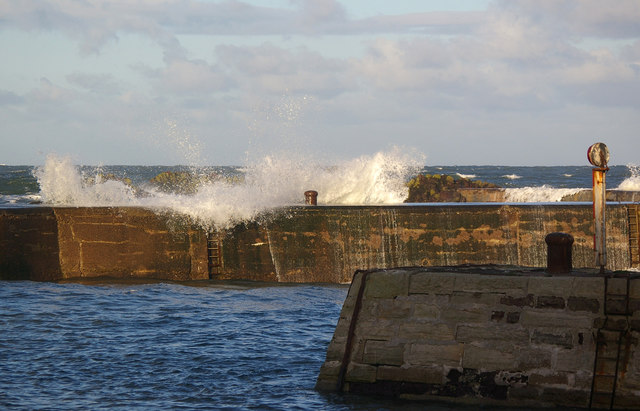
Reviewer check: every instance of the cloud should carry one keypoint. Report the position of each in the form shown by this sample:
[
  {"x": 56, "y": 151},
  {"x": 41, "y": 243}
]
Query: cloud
[
  {"x": 104, "y": 84},
  {"x": 8, "y": 98},
  {"x": 272, "y": 69},
  {"x": 584, "y": 18}
]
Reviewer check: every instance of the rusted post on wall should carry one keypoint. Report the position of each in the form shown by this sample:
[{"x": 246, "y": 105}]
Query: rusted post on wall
[
  {"x": 559, "y": 253},
  {"x": 598, "y": 155},
  {"x": 311, "y": 197}
]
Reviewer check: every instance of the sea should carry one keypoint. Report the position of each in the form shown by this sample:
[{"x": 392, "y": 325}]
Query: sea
[{"x": 208, "y": 345}]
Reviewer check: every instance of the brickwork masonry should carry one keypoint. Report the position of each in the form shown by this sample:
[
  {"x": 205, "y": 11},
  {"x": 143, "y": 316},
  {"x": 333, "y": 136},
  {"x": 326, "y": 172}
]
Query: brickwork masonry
[{"x": 513, "y": 338}]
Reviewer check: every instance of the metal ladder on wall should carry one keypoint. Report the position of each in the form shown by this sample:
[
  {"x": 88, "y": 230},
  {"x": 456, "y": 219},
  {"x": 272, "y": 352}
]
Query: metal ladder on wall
[
  {"x": 634, "y": 244},
  {"x": 610, "y": 339},
  {"x": 214, "y": 254}
]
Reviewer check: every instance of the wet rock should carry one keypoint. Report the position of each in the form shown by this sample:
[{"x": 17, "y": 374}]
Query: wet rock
[{"x": 427, "y": 188}]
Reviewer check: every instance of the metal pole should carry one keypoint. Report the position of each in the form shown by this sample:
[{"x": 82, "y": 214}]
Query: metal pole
[
  {"x": 599, "y": 205},
  {"x": 598, "y": 155}
]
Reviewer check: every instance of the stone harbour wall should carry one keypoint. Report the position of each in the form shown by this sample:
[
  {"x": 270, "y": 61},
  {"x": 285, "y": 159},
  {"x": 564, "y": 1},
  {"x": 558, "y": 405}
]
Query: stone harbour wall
[
  {"x": 505, "y": 337},
  {"x": 329, "y": 243},
  {"x": 299, "y": 244},
  {"x": 49, "y": 244}
]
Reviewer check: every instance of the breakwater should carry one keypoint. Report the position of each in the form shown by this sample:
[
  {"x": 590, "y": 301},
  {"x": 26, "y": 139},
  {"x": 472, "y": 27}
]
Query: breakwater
[
  {"x": 499, "y": 336},
  {"x": 299, "y": 244}
]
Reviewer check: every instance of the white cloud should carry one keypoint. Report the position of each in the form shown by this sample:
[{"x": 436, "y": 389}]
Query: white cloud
[{"x": 497, "y": 73}]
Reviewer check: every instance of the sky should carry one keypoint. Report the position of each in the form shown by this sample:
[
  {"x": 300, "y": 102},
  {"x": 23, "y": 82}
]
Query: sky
[{"x": 164, "y": 82}]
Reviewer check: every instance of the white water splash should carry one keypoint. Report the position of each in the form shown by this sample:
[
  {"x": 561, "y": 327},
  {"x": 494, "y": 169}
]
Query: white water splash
[
  {"x": 631, "y": 183},
  {"x": 62, "y": 183},
  {"x": 542, "y": 194},
  {"x": 511, "y": 176},
  {"x": 275, "y": 181}
]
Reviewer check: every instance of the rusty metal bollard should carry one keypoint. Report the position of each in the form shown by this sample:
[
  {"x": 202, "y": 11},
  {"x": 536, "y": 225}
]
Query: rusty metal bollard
[
  {"x": 311, "y": 197},
  {"x": 559, "y": 252}
]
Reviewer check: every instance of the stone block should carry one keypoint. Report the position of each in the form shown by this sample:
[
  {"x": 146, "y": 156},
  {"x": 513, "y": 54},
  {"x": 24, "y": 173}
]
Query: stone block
[
  {"x": 397, "y": 308},
  {"x": 565, "y": 397},
  {"x": 617, "y": 286},
  {"x": 634, "y": 288},
  {"x": 425, "y": 331},
  {"x": 524, "y": 393},
  {"x": 534, "y": 358},
  {"x": 512, "y": 334},
  {"x": 361, "y": 373},
  {"x": 387, "y": 284},
  {"x": 523, "y": 301},
  {"x": 491, "y": 284},
  {"x": 497, "y": 316},
  {"x": 336, "y": 348},
  {"x": 342, "y": 328},
  {"x": 588, "y": 287},
  {"x": 561, "y": 339},
  {"x": 425, "y": 311},
  {"x": 382, "y": 352},
  {"x": 330, "y": 369},
  {"x": 583, "y": 304},
  {"x": 559, "y": 319},
  {"x": 575, "y": 360},
  {"x": 466, "y": 315},
  {"x": 422, "y": 374},
  {"x": 557, "y": 378},
  {"x": 371, "y": 328},
  {"x": 432, "y": 283},
  {"x": 550, "y": 301},
  {"x": 513, "y": 317},
  {"x": 488, "y": 359},
  {"x": 556, "y": 286},
  {"x": 459, "y": 298},
  {"x": 449, "y": 355}
]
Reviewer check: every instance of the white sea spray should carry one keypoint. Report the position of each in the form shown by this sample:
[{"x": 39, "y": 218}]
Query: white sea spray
[
  {"x": 542, "y": 194},
  {"x": 276, "y": 180},
  {"x": 631, "y": 183}
]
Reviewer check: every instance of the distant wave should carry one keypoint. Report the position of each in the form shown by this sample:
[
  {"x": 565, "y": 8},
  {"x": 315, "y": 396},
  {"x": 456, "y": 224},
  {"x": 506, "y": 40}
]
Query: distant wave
[
  {"x": 631, "y": 183},
  {"x": 568, "y": 175},
  {"x": 543, "y": 194},
  {"x": 512, "y": 176},
  {"x": 467, "y": 176}
]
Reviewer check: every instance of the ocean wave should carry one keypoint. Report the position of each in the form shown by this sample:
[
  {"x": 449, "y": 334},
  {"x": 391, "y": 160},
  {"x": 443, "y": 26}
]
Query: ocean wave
[
  {"x": 631, "y": 183},
  {"x": 543, "y": 194},
  {"x": 273, "y": 181}
]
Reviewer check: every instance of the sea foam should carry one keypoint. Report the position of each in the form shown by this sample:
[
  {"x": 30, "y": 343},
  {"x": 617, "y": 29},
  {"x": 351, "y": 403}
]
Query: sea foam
[
  {"x": 631, "y": 183},
  {"x": 542, "y": 194}
]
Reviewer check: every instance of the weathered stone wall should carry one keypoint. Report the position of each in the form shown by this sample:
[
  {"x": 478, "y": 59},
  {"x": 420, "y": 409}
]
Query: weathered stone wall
[
  {"x": 29, "y": 244},
  {"x": 128, "y": 242},
  {"x": 327, "y": 244},
  {"x": 299, "y": 244},
  {"x": 510, "y": 338},
  {"x": 43, "y": 244}
]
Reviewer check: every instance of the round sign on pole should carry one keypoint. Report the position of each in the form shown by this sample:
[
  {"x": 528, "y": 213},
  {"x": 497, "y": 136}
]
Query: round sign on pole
[{"x": 598, "y": 155}]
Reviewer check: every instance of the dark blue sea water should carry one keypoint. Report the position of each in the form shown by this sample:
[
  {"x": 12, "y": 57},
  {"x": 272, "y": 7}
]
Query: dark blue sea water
[{"x": 206, "y": 345}]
